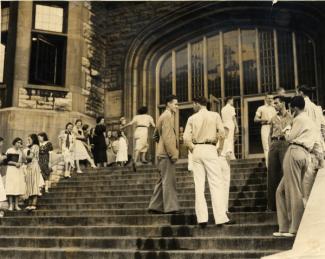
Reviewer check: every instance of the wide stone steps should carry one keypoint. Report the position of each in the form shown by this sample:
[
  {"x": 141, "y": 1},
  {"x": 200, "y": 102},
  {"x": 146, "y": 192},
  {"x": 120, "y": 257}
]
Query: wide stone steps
[
  {"x": 148, "y": 243},
  {"x": 103, "y": 214},
  {"x": 78, "y": 253},
  {"x": 258, "y": 229}
]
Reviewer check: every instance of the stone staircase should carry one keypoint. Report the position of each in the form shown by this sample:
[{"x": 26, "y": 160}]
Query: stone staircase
[{"x": 102, "y": 214}]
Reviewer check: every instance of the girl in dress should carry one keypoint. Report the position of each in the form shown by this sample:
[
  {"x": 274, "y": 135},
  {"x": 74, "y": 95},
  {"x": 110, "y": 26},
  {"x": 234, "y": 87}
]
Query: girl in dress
[
  {"x": 122, "y": 153},
  {"x": 3, "y": 197},
  {"x": 15, "y": 180},
  {"x": 67, "y": 143},
  {"x": 80, "y": 152},
  {"x": 99, "y": 143},
  {"x": 111, "y": 157},
  {"x": 32, "y": 172},
  {"x": 44, "y": 158}
]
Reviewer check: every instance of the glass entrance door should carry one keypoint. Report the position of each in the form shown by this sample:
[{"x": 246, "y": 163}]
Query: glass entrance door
[{"x": 252, "y": 136}]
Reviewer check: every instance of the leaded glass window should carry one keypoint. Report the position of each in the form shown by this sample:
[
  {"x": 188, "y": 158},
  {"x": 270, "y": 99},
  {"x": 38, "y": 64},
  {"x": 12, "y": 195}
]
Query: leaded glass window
[
  {"x": 181, "y": 75},
  {"x": 166, "y": 79},
  {"x": 231, "y": 63},
  {"x": 197, "y": 69},
  {"x": 49, "y": 18},
  {"x": 214, "y": 66}
]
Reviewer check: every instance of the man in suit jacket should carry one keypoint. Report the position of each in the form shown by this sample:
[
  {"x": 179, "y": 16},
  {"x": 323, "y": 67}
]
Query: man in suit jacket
[{"x": 164, "y": 198}]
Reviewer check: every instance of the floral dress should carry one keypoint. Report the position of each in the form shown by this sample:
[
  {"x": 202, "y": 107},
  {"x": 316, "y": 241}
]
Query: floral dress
[{"x": 44, "y": 160}]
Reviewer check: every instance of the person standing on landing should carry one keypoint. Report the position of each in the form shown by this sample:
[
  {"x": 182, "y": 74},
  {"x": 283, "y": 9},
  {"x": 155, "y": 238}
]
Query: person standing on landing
[{"x": 164, "y": 198}]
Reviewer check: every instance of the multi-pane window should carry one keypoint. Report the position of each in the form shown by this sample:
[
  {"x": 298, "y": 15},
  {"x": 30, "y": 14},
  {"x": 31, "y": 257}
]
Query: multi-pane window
[
  {"x": 285, "y": 54},
  {"x": 248, "y": 39},
  {"x": 48, "y": 50},
  {"x": 267, "y": 60},
  {"x": 181, "y": 75},
  {"x": 231, "y": 63},
  {"x": 49, "y": 18},
  {"x": 214, "y": 66},
  {"x": 305, "y": 60},
  {"x": 197, "y": 69},
  {"x": 166, "y": 79}
]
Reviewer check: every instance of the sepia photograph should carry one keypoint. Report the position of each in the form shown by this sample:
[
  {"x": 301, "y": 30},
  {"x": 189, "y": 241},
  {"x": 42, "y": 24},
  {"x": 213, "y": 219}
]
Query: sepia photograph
[{"x": 162, "y": 129}]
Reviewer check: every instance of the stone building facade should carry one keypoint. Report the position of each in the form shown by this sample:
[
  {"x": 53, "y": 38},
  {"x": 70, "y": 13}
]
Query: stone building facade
[{"x": 122, "y": 55}]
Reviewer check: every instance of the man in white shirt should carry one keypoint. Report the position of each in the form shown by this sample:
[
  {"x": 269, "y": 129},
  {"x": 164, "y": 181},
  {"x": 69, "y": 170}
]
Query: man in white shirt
[
  {"x": 228, "y": 115},
  {"x": 289, "y": 195},
  {"x": 200, "y": 137},
  {"x": 263, "y": 115}
]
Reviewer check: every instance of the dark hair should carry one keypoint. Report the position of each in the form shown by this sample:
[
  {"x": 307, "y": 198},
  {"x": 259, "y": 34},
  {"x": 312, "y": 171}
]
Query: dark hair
[
  {"x": 34, "y": 140},
  {"x": 305, "y": 89},
  {"x": 143, "y": 110},
  {"x": 169, "y": 98},
  {"x": 85, "y": 127},
  {"x": 44, "y": 136},
  {"x": 78, "y": 120},
  {"x": 99, "y": 119},
  {"x": 228, "y": 98},
  {"x": 201, "y": 100},
  {"x": 16, "y": 140},
  {"x": 69, "y": 123},
  {"x": 1, "y": 139},
  {"x": 297, "y": 101},
  {"x": 281, "y": 98},
  {"x": 209, "y": 106},
  {"x": 119, "y": 133}
]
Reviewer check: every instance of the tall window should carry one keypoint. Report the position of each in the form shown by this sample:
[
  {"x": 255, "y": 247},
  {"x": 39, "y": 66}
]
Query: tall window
[
  {"x": 231, "y": 63},
  {"x": 214, "y": 66},
  {"x": 181, "y": 75},
  {"x": 166, "y": 79},
  {"x": 48, "y": 51},
  {"x": 248, "y": 38},
  {"x": 267, "y": 60},
  {"x": 197, "y": 69},
  {"x": 4, "y": 35},
  {"x": 285, "y": 52}
]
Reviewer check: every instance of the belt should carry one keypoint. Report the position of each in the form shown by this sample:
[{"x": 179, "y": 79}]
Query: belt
[
  {"x": 278, "y": 138},
  {"x": 300, "y": 145},
  {"x": 205, "y": 143},
  {"x": 142, "y": 126}
]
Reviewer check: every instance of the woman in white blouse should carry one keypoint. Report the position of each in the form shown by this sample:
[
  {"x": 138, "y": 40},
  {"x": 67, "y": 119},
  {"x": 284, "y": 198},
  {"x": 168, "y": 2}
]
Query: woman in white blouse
[{"x": 142, "y": 122}]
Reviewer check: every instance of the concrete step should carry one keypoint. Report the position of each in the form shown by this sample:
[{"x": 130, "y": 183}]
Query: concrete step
[
  {"x": 185, "y": 219},
  {"x": 79, "y": 253},
  {"x": 134, "y": 190},
  {"x": 182, "y": 196},
  {"x": 144, "y": 230},
  {"x": 151, "y": 243}
]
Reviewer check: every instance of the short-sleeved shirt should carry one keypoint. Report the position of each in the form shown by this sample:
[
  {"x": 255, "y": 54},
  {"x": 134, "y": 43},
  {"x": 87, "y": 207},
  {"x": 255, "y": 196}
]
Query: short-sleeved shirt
[
  {"x": 227, "y": 114},
  {"x": 279, "y": 123},
  {"x": 143, "y": 120},
  {"x": 266, "y": 112}
]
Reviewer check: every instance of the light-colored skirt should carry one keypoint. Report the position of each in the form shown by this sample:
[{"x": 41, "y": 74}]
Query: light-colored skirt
[
  {"x": 68, "y": 156},
  {"x": 122, "y": 155},
  {"x": 111, "y": 157},
  {"x": 33, "y": 179},
  {"x": 80, "y": 151},
  {"x": 3, "y": 196},
  {"x": 15, "y": 181},
  {"x": 141, "y": 139}
]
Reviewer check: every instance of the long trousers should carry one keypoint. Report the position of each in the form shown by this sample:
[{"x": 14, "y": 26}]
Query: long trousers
[
  {"x": 164, "y": 197},
  {"x": 289, "y": 195},
  {"x": 277, "y": 151},
  {"x": 206, "y": 163},
  {"x": 265, "y": 133}
]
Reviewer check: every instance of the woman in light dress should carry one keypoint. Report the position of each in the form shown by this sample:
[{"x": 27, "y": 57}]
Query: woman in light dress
[
  {"x": 32, "y": 172},
  {"x": 80, "y": 150},
  {"x": 67, "y": 144},
  {"x": 3, "y": 196},
  {"x": 142, "y": 122},
  {"x": 44, "y": 158},
  {"x": 15, "y": 180},
  {"x": 111, "y": 156},
  {"x": 122, "y": 153}
]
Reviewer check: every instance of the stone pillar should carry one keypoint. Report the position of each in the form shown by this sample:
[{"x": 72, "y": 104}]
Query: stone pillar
[{"x": 21, "y": 71}]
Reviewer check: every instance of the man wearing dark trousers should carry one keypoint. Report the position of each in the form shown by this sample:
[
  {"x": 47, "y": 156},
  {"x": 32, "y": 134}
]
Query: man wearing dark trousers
[
  {"x": 278, "y": 147},
  {"x": 164, "y": 198}
]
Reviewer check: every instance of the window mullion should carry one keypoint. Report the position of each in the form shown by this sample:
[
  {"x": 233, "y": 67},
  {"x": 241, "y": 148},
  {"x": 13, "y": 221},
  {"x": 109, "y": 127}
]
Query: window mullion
[
  {"x": 295, "y": 63},
  {"x": 240, "y": 61},
  {"x": 174, "y": 72},
  {"x": 189, "y": 72},
  {"x": 258, "y": 63},
  {"x": 276, "y": 59},
  {"x": 222, "y": 70},
  {"x": 205, "y": 66}
]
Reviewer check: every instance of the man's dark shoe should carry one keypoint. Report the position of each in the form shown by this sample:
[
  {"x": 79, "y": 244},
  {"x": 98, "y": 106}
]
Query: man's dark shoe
[
  {"x": 150, "y": 211},
  {"x": 175, "y": 212},
  {"x": 134, "y": 167},
  {"x": 230, "y": 222},
  {"x": 203, "y": 225}
]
